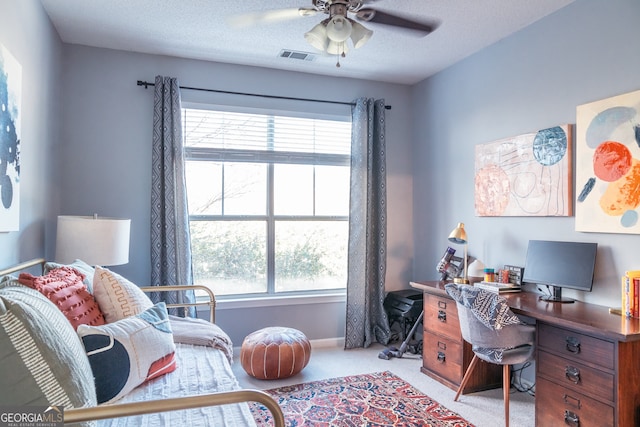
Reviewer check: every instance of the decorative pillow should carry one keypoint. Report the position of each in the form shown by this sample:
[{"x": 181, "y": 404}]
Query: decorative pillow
[
  {"x": 9, "y": 280},
  {"x": 65, "y": 288},
  {"x": 129, "y": 352},
  {"x": 117, "y": 297},
  {"x": 43, "y": 361},
  {"x": 79, "y": 265}
]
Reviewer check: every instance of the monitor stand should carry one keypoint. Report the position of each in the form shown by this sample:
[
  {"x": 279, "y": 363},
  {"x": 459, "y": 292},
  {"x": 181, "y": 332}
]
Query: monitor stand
[{"x": 556, "y": 296}]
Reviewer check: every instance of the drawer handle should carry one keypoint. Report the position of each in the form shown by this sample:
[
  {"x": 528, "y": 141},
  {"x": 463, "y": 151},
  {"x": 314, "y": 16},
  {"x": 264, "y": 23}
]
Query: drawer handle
[
  {"x": 442, "y": 345},
  {"x": 573, "y": 344},
  {"x": 442, "y": 305},
  {"x": 442, "y": 315},
  {"x": 441, "y": 357},
  {"x": 571, "y": 419},
  {"x": 570, "y": 400},
  {"x": 572, "y": 373}
]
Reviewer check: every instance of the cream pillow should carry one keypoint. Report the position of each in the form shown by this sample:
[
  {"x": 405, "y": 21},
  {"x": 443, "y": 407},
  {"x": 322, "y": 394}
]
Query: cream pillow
[
  {"x": 126, "y": 353},
  {"x": 117, "y": 297}
]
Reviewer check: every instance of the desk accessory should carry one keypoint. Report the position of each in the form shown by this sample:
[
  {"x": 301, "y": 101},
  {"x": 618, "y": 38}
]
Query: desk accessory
[{"x": 459, "y": 236}]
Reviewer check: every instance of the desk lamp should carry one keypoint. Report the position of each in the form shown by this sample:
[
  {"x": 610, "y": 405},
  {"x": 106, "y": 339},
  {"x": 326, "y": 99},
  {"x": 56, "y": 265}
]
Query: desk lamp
[
  {"x": 459, "y": 236},
  {"x": 96, "y": 241}
]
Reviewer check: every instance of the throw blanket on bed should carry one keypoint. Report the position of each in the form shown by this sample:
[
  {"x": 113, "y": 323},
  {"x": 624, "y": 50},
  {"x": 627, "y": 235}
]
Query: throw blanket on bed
[{"x": 187, "y": 330}]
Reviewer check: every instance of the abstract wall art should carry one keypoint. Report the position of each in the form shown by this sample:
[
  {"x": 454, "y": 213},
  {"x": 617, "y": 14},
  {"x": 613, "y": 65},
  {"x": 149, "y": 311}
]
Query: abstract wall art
[
  {"x": 527, "y": 175},
  {"x": 608, "y": 165},
  {"x": 10, "y": 97}
]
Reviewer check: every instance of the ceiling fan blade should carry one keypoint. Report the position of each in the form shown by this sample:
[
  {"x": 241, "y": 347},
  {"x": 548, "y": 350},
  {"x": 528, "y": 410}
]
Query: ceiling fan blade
[
  {"x": 269, "y": 17},
  {"x": 379, "y": 17}
]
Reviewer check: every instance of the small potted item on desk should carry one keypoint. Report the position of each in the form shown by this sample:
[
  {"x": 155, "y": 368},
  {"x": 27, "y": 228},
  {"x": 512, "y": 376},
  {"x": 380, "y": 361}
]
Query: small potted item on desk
[{"x": 499, "y": 283}]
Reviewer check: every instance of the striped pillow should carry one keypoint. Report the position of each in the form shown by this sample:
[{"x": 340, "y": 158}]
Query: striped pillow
[{"x": 43, "y": 361}]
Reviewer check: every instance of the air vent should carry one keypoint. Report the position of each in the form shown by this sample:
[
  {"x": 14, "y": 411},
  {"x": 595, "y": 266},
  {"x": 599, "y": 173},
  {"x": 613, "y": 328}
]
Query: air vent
[{"x": 292, "y": 54}]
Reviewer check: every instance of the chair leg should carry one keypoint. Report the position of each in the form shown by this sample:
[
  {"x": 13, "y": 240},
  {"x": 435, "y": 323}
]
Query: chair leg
[
  {"x": 506, "y": 385},
  {"x": 466, "y": 377}
]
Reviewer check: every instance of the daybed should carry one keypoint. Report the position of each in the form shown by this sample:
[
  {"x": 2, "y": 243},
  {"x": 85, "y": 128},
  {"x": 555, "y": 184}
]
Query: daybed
[{"x": 48, "y": 360}]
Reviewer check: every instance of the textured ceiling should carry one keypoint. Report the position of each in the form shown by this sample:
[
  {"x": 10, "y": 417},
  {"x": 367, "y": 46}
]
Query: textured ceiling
[{"x": 200, "y": 29}]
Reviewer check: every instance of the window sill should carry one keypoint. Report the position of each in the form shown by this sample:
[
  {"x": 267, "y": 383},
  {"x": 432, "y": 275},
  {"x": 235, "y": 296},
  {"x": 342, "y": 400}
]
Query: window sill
[{"x": 227, "y": 304}]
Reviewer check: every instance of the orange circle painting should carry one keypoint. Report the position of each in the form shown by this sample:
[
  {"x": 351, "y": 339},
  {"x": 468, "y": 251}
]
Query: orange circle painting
[
  {"x": 608, "y": 165},
  {"x": 611, "y": 161}
]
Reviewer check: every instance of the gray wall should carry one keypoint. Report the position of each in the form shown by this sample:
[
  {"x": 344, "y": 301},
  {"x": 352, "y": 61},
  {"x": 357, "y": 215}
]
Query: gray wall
[
  {"x": 38, "y": 49},
  {"x": 529, "y": 81},
  {"x": 107, "y": 133}
]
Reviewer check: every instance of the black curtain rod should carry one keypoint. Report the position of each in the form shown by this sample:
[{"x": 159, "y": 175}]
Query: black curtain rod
[{"x": 147, "y": 84}]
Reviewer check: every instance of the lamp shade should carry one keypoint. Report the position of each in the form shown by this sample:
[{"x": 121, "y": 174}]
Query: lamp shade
[
  {"x": 94, "y": 240},
  {"x": 335, "y": 48},
  {"x": 359, "y": 34},
  {"x": 317, "y": 36},
  {"x": 338, "y": 29},
  {"x": 458, "y": 235}
]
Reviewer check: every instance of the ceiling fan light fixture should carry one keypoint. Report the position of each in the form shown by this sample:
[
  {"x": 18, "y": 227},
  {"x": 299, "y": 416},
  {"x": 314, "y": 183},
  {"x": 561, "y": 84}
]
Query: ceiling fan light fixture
[
  {"x": 337, "y": 48},
  {"x": 360, "y": 34},
  {"x": 317, "y": 37},
  {"x": 339, "y": 29}
]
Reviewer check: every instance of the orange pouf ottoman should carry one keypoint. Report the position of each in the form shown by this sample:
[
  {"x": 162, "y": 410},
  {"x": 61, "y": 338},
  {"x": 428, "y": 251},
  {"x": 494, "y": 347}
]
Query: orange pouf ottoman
[{"x": 275, "y": 352}]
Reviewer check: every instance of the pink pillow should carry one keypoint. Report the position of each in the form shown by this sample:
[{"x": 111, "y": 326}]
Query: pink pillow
[{"x": 65, "y": 288}]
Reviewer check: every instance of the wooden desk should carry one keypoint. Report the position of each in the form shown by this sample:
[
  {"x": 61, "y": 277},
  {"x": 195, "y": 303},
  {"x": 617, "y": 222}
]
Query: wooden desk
[{"x": 587, "y": 359}]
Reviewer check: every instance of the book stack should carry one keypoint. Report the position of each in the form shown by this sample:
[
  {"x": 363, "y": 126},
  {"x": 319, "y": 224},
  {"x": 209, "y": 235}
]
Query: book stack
[
  {"x": 497, "y": 287},
  {"x": 631, "y": 293}
]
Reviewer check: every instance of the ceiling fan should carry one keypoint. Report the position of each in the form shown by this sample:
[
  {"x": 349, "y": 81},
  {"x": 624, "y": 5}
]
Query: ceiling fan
[{"x": 332, "y": 34}]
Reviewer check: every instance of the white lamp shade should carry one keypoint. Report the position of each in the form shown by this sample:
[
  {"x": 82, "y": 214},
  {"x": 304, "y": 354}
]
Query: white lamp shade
[
  {"x": 334, "y": 48},
  {"x": 338, "y": 29},
  {"x": 317, "y": 37},
  {"x": 360, "y": 34},
  {"x": 94, "y": 240}
]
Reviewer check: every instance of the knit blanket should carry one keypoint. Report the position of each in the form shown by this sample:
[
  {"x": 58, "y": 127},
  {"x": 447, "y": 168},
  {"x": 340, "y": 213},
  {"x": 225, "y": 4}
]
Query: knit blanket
[
  {"x": 188, "y": 330},
  {"x": 490, "y": 308}
]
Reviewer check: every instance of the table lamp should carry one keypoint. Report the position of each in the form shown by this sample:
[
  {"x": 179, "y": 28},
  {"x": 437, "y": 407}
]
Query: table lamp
[
  {"x": 94, "y": 240},
  {"x": 459, "y": 236}
]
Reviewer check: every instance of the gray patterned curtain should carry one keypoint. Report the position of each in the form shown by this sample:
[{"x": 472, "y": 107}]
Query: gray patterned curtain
[
  {"x": 366, "y": 318},
  {"x": 170, "y": 240}
]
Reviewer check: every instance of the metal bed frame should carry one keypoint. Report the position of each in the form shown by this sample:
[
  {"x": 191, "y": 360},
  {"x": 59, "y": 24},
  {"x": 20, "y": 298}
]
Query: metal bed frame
[{"x": 76, "y": 415}]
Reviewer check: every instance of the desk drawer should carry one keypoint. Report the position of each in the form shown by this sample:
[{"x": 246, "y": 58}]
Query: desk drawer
[
  {"x": 575, "y": 346},
  {"x": 443, "y": 356},
  {"x": 441, "y": 317},
  {"x": 578, "y": 377},
  {"x": 558, "y": 406}
]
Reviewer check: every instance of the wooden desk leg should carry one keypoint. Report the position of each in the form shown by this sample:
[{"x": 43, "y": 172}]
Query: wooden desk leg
[{"x": 506, "y": 385}]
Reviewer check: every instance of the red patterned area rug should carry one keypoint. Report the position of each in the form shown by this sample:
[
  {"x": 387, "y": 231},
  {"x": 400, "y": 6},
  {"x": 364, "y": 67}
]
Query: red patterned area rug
[{"x": 378, "y": 399}]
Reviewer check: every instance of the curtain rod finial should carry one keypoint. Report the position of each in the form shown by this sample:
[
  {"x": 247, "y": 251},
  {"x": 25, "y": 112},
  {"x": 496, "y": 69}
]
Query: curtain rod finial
[{"x": 145, "y": 84}]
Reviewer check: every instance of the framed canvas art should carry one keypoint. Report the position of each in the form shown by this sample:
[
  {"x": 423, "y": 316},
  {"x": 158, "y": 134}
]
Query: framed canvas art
[
  {"x": 608, "y": 165},
  {"x": 527, "y": 175},
  {"x": 10, "y": 95}
]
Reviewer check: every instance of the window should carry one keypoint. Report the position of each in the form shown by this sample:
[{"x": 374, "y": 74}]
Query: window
[{"x": 268, "y": 201}]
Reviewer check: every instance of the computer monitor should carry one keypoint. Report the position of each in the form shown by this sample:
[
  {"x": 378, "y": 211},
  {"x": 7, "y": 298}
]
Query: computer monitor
[{"x": 560, "y": 265}]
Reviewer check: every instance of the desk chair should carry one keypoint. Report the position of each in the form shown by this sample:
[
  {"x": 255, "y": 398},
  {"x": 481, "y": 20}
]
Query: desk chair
[{"x": 495, "y": 333}]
